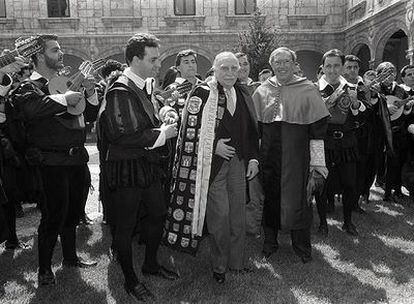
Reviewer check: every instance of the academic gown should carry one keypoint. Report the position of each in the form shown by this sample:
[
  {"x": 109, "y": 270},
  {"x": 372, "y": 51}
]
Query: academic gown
[{"x": 289, "y": 117}]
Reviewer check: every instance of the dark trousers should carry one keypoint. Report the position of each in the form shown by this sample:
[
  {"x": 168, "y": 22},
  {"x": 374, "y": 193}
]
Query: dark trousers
[
  {"x": 124, "y": 211},
  {"x": 12, "y": 188},
  {"x": 346, "y": 174},
  {"x": 301, "y": 242},
  {"x": 86, "y": 188},
  {"x": 394, "y": 164},
  {"x": 61, "y": 209},
  {"x": 10, "y": 218}
]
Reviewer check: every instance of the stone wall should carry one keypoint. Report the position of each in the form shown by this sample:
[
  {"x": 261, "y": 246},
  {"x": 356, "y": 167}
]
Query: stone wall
[{"x": 100, "y": 28}]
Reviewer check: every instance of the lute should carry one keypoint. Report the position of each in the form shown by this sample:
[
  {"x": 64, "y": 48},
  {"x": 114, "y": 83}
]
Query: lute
[
  {"x": 166, "y": 97},
  {"x": 399, "y": 103},
  {"x": 23, "y": 47},
  {"x": 62, "y": 84}
]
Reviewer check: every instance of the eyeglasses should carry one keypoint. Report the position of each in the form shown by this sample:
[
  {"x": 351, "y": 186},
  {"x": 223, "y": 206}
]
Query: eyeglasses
[{"x": 281, "y": 62}]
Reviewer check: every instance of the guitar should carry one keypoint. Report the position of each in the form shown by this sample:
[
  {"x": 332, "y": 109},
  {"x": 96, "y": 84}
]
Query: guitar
[
  {"x": 166, "y": 96},
  {"x": 62, "y": 84},
  {"x": 23, "y": 47},
  {"x": 399, "y": 103}
]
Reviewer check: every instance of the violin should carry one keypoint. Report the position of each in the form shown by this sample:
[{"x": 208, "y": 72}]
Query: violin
[{"x": 62, "y": 83}]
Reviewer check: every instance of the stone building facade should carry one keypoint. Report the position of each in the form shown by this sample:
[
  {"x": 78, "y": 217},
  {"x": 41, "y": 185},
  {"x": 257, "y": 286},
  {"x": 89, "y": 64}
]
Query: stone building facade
[{"x": 89, "y": 29}]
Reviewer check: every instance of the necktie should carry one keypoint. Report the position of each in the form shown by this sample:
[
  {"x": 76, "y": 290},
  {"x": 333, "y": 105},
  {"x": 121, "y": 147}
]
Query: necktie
[{"x": 231, "y": 103}]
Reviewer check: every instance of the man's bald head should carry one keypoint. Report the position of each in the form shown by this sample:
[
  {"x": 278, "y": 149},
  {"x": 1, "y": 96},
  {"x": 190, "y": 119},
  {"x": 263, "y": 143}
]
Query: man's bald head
[
  {"x": 226, "y": 66},
  {"x": 223, "y": 56}
]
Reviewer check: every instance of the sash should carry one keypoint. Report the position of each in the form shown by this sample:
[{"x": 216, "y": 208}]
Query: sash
[
  {"x": 192, "y": 168},
  {"x": 338, "y": 103},
  {"x": 205, "y": 154}
]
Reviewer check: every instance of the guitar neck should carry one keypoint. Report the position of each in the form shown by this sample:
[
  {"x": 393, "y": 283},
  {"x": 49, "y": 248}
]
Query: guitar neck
[
  {"x": 403, "y": 102},
  {"x": 8, "y": 58}
]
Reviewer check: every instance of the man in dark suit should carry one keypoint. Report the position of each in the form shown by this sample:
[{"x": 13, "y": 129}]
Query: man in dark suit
[
  {"x": 133, "y": 164},
  {"x": 218, "y": 149}
]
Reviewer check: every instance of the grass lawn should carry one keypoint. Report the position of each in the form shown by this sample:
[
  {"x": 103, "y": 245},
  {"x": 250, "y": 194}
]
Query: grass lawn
[{"x": 376, "y": 267}]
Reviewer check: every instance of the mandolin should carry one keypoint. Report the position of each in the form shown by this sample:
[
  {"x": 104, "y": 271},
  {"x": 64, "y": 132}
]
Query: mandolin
[
  {"x": 166, "y": 96},
  {"x": 61, "y": 84},
  {"x": 23, "y": 47},
  {"x": 399, "y": 103}
]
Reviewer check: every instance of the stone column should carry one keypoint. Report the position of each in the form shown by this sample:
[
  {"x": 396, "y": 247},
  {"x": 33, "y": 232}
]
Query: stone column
[
  {"x": 409, "y": 20},
  {"x": 409, "y": 55},
  {"x": 372, "y": 64}
]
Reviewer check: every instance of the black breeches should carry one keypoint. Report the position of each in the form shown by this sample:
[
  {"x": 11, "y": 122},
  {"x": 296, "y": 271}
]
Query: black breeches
[{"x": 61, "y": 209}]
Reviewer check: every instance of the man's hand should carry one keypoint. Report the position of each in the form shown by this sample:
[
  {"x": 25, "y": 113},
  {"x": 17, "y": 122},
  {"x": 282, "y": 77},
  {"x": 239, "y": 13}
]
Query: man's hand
[
  {"x": 14, "y": 66},
  {"x": 73, "y": 98},
  {"x": 322, "y": 170},
  {"x": 223, "y": 150},
  {"x": 355, "y": 103},
  {"x": 170, "y": 130},
  {"x": 392, "y": 109},
  {"x": 252, "y": 169},
  {"x": 89, "y": 85}
]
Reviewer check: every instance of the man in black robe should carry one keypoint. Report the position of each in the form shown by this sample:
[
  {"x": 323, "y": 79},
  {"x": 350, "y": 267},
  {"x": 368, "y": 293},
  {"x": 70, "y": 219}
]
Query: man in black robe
[{"x": 293, "y": 120}]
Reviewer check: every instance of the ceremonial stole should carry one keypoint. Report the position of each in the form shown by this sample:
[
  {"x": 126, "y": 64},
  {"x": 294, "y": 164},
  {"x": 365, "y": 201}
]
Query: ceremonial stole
[{"x": 191, "y": 170}]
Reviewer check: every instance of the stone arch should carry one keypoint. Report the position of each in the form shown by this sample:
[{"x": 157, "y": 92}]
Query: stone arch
[
  {"x": 113, "y": 51},
  {"x": 384, "y": 34},
  {"x": 68, "y": 50},
  {"x": 355, "y": 43},
  {"x": 309, "y": 61},
  {"x": 363, "y": 52},
  {"x": 395, "y": 49},
  {"x": 175, "y": 49},
  {"x": 307, "y": 46},
  {"x": 204, "y": 59}
]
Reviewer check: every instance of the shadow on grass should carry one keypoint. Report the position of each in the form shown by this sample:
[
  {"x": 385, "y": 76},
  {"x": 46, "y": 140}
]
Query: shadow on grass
[{"x": 70, "y": 288}]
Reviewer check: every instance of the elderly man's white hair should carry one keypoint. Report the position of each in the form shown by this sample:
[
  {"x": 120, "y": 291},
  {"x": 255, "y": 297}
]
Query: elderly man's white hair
[
  {"x": 280, "y": 50},
  {"x": 222, "y": 55}
]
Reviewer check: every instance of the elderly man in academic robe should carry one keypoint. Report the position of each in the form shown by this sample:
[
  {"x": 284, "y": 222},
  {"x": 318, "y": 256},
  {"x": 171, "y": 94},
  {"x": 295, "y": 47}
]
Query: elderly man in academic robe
[
  {"x": 217, "y": 150},
  {"x": 293, "y": 121}
]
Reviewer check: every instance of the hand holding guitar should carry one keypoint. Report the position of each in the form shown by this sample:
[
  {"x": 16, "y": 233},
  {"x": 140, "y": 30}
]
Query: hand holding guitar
[
  {"x": 13, "y": 67},
  {"x": 73, "y": 98}
]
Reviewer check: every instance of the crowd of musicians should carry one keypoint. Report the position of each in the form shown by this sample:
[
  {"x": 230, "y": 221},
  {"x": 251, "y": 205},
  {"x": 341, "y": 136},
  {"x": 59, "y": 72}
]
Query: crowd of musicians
[{"x": 185, "y": 158}]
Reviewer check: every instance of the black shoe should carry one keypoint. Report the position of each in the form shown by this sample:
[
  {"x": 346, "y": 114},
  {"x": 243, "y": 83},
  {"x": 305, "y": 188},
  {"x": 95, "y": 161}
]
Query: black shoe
[
  {"x": 269, "y": 249},
  {"x": 139, "y": 292},
  {"x": 350, "y": 229},
  {"x": 306, "y": 259},
  {"x": 323, "y": 230},
  {"x": 46, "y": 279},
  {"x": 163, "y": 273},
  {"x": 79, "y": 263},
  {"x": 219, "y": 277},
  {"x": 17, "y": 246}
]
